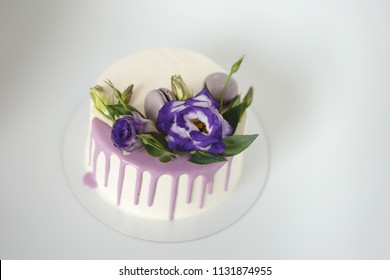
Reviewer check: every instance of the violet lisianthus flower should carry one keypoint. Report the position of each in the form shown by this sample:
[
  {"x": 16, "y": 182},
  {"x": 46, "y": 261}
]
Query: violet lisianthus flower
[
  {"x": 194, "y": 124},
  {"x": 125, "y": 129}
]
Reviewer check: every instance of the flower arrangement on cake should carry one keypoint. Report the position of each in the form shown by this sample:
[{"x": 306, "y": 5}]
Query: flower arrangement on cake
[{"x": 176, "y": 123}]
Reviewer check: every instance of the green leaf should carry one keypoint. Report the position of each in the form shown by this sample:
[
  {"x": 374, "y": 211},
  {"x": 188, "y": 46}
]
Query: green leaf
[
  {"x": 116, "y": 92},
  {"x": 156, "y": 146},
  {"x": 203, "y": 157},
  {"x": 155, "y": 138},
  {"x": 235, "y": 144},
  {"x": 236, "y": 101},
  {"x": 148, "y": 139},
  {"x": 232, "y": 116},
  {"x": 153, "y": 150},
  {"x": 133, "y": 109},
  {"x": 160, "y": 139},
  {"x": 121, "y": 99},
  {"x": 165, "y": 158},
  {"x": 118, "y": 110},
  {"x": 106, "y": 114},
  {"x": 235, "y": 111}
]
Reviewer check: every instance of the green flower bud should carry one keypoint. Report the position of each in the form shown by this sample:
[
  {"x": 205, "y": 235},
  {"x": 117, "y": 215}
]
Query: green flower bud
[
  {"x": 248, "y": 97},
  {"x": 100, "y": 99},
  {"x": 179, "y": 88},
  {"x": 126, "y": 95},
  {"x": 247, "y": 101},
  {"x": 236, "y": 65}
]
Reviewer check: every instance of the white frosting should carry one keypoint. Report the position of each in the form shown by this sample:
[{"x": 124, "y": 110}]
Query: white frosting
[
  {"x": 148, "y": 70},
  {"x": 152, "y": 69},
  {"x": 160, "y": 208}
]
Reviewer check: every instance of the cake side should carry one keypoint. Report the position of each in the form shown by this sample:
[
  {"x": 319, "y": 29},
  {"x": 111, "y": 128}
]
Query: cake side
[{"x": 143, "y": 186}]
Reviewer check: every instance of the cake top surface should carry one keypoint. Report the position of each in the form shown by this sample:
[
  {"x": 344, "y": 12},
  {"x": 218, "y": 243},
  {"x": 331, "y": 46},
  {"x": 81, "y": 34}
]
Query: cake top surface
[
  {"x": 172, "y": 102},
  {"x": 152, "y": 68}
]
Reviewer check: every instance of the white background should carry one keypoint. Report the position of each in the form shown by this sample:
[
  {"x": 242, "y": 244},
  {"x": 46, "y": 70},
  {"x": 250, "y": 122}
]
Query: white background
[{"x": 320, "y": 70}]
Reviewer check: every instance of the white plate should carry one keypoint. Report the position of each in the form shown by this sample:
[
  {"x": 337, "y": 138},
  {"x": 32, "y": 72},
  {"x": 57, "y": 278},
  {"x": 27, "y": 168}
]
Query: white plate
[{"x": 256, "y": 165}]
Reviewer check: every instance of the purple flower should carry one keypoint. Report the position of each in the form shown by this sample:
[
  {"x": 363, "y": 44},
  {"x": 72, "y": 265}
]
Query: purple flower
[
  {"x": 125, "y": 129},
  {"x": 194, "y": 124}
]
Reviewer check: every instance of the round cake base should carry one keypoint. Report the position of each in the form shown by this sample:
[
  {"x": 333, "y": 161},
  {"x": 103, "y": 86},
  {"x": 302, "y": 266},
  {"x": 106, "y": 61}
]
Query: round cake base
[{"x": 247, "y": 192}]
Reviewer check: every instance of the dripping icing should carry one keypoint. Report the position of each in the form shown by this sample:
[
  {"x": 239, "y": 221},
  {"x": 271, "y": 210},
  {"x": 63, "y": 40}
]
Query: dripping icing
[{"x": 100, "y": 134}]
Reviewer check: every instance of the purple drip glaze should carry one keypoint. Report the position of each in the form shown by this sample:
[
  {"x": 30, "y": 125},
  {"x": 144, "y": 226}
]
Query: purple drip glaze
[
  {"x": 120, "y": 182},
  {"x": 90, "y": 149},
  {"x": 101, "y": 134},
  {"x": 229, "y": 168},
  {"x": 152, "y": 190},
  {"x": 189, "y": 189},
  {"x": 89, "y": 180},
  {"x": 203, "y": 192},
  {"x": 107, "y": 170},
  {"x": 211, "y": 186},
  {"x": 138, "y": 184},
  {"x": 172, "y": 203}
]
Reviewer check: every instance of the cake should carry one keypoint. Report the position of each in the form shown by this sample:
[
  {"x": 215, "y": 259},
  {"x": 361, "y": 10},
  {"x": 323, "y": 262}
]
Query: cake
[{"x": 166, "y": 134}]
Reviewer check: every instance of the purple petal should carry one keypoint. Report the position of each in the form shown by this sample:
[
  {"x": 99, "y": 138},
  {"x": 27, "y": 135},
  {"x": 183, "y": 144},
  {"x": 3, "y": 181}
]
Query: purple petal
[{"x": 194, "y": 124}]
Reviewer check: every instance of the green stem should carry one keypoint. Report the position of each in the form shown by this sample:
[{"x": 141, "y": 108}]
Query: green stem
[
  {"x": 224, "y": 91},
  {"x": 122, "y": 102},
  {"x": 118, "y": 95}
]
